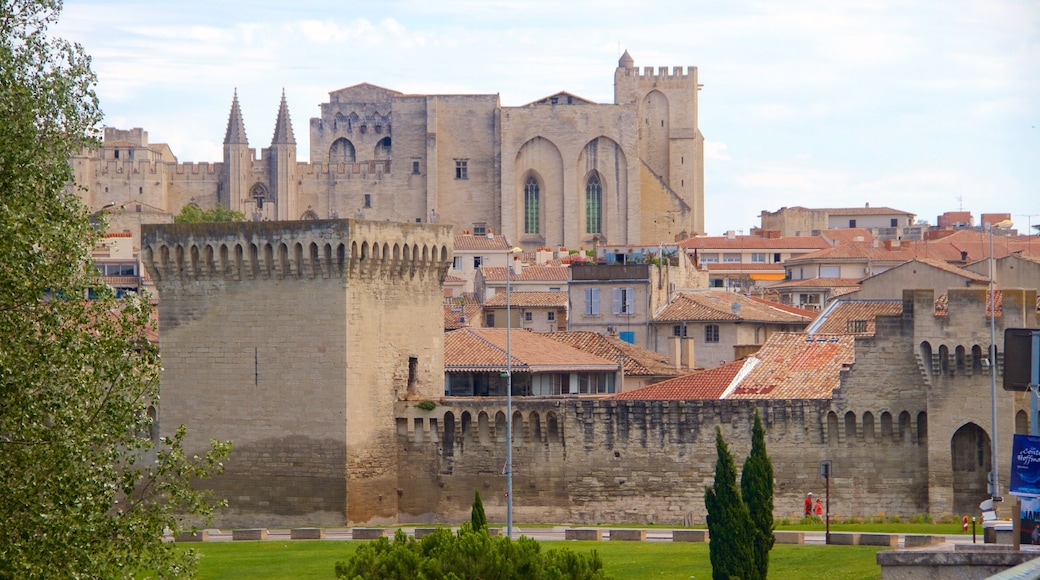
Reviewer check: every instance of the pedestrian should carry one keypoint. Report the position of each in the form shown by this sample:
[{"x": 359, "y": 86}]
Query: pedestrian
[
  {"x": 1036, "y": 534},
  {"x": 808, "y": 504},
  {"x": 819, "y": 508}
]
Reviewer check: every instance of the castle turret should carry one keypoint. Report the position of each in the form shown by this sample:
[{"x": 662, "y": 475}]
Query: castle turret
[
  {"x": 281, "y": 161},
  {"x": 234, "y": 183}
]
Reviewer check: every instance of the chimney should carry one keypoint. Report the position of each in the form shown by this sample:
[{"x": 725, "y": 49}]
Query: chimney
[
  {"x": 674, "y": 351},
  {"x": 735, "y": 307},
  {"x": 687, "y": 353},
  {"x": 515, "y": 264},
  {"x": 964, "y": 256}
]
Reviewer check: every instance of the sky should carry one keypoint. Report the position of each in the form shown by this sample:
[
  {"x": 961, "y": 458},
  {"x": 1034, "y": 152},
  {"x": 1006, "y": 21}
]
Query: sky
[{"x": 922, "y": 106}]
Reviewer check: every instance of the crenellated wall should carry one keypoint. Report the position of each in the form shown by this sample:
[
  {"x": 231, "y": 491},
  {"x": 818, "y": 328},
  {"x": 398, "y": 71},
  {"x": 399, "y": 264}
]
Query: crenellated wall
[{"x": 266, "y": 338}]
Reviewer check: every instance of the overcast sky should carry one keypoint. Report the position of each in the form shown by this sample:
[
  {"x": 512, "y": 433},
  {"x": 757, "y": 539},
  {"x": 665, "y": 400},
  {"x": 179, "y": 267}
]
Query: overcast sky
[{"x": 922, "y": 106}]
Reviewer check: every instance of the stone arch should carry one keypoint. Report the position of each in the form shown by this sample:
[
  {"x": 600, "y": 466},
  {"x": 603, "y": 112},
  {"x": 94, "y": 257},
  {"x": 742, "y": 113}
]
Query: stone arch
[
  {"x": 922, "y": 428},
  {"x": 944, "y": 359},
  {"x": 315, "y": 260},
  {"x": 283, "y": 260},
  {"x": 536, "y": 427},
  {"x": 382, "y": 150},
  {"x": 850, "y": 427},
  {"x": 886, "y": 426},
  {"x": 309, "y": 215},
  {"x": 239, "y": 258},
  {"x": 178, "y": 260},
  {"x": 540, "y": 158},
  {"x": 961, "y": 360},
  {"x": 603, "y": 158},
  {"x": 209, "y": 264},
  {"x": 268, "y": 260},
  {"x": 654, "y": 130},
  {"x": 298, "y": 258},
  {"x": 195, "y": 261},
  {"x": 906, "y": 436},
  {"x": 397, "y": 252},
  {"x": 976, "y": 359},
  {"x": 832, "y": 428},
  {"x": 926, "y": 356},
  {"x": 364, "y": 250},
  {"x": 259, "y": 194},
  {"x": 444, "y": 253},
  {"x": 254, "y": 260},
  {"x": 518, "y": 428},
  {"x": 970, "y": 461},
  {"x": 552, "y": 430},
  {"x": 500, "y": 427},
  {"x": 342, "y": 151},
  {"x": 225, "y": 265},
  {"x": 1022, "y": 422},
  {"x": 449, "y": 434},
  {"x": 483, "y": 429},
  {"x": 341, "y": 256},
  {"x": 467, "y": 420},
  {"x": 868, "y": 427}
]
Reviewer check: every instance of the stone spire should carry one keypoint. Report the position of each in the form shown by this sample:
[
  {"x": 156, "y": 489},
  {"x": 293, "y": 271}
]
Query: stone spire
[
  {"x": 626, "y": 61},
  {"x": 236, "y": 129},
  {"x": 283, "y": 133}
]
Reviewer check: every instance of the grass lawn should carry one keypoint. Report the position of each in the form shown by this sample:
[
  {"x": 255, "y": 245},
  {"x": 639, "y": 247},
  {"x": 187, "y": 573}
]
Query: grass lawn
[{"x": 623, "y": 560}]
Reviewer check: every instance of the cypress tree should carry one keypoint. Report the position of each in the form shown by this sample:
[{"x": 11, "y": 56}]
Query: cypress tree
[
  {"x": 756, "y": 489},
  {"x": 476, "y": 515},
  {"x": 729, "y": 523}
]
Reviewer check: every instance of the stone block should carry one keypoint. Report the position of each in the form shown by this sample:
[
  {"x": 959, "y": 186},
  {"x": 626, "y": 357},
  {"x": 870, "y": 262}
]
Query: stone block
[
  {"x": 689, "y": 535},
  {"x": 844, "y": 538},
  {"x": 789, "y": 537},
  {"x": 583, "y": 534},
  {"x": 368, "y": 533},
  {"x": 628, "y": 535},
  {"x": 891, "y": 540},
  {"x": 918, "y": 541},
  {"x": 197, "y": 536},
  {"x": 253, "y": 534},
  {"x": 307, "y": 534}
]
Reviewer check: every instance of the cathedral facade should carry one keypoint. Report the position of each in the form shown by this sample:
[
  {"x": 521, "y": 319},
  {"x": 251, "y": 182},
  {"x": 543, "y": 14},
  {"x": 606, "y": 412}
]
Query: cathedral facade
[{"x": 560, "y": 171}]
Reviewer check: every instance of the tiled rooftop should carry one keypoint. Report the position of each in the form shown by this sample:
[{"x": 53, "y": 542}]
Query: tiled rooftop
[
  {"x": 837, "y": 318},
  {"x": 705, "y": 384},
  {"x": 453, "y": 314},
  {"x": 796, "y": 366},
  {"x": 754, "y": 243},
  {"x": 484, "y": 349},
  {"x": 717, "y": 305},
  {"x": 528, "y": 274},
  {"x": 851, "y": 283},
  {"x": 471, "y": 242},
  {"x": 528, "y": 300},
  {"x": 637, "y": 361}
]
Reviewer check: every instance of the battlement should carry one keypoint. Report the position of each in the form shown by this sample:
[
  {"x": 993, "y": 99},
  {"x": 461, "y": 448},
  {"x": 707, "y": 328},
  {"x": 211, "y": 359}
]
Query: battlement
[
  {"x": 294, "y": 249},
  {"x": 361, "y": 169},
  {"x": 662, "y": 74}
]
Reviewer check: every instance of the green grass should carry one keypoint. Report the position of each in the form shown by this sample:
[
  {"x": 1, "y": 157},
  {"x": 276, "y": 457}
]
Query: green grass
[{"x": 623, "y": 560}]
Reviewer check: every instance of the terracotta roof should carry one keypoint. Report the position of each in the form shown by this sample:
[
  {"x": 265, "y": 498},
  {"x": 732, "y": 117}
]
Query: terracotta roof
[
  {"x": 705, "y": 384},
  {"x": 852, "y": 283},
  {"x": 528, "y": 274},
  {"x": 712, "y": 266},
  {"x": 944, "y": 266},
  {"x": 453, "y": 314},
  {"x": 754, "y": 243},
  {"x": 717, "y": 305},
  {"x": 835, "y": 319},
  {"x": 528, "y": 300},
  {"x": 852, "y": 251},
  {"x": 796, "y": 366},
  {"x": 975, "y": 245},
  {"x": 484, "y": 349},
  {"x": 845, "y": 235},
  {"x": 469, "y": 242},
  {"x": 785, "y": 307},
  {"x": 637, "y": 361}
]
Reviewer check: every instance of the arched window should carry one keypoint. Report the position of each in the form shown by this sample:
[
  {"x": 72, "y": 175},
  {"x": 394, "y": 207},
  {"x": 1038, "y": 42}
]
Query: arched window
[
  {"x": 593, "y": 205},
  {"x": 342, "y": 151},
  {"x": 531, "y": 206},
  {"x": 259, "y": 194}
]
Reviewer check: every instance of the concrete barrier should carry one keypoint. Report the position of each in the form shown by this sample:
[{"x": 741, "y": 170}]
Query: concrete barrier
[
  {"x": 307, "y": 534},
  {"x": 789, "y": 537},
  {"x": 890, "y": 540},
  {"x": 368, "y": 533},
  {"x": 254, "y": 534},
  {"x": 420, "y": 532},
  {"x": 844, "y": 539},
  {"x": 689, "y": 535},
  {"x": 583, "y": 534},
  {"x": 197, "y": 536},
  {"x": 628, "y": 535},
  {"x": 919, "y": 541}
]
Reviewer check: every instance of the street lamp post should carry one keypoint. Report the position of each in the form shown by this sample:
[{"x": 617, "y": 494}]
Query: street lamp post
[
  {"x": 995, "y": 480},
  {"x": 509, "y": 398}
]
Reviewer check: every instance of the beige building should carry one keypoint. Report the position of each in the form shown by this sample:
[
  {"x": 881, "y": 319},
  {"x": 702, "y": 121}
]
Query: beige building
[{"x": 560, "y": 171}]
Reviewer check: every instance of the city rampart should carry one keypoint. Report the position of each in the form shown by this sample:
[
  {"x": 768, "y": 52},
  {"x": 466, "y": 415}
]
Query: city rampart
[
  {"x": 267, "y": 340},
  {"x": 601, "y": 461}
]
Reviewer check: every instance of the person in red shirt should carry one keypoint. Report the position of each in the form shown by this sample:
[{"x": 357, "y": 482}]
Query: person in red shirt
[
  {"x": 819, "y": 508},
  {"x": 808, "y": 504}
]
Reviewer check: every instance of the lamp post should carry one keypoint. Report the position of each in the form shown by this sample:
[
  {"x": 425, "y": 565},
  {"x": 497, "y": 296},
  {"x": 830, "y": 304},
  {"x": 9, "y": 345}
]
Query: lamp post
[
  {"x": 509, "y": 398},
  {"x": 995, "y": 481}
]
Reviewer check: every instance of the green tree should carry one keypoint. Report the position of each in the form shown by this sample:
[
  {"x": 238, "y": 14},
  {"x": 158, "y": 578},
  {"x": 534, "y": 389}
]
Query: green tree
[
  {"x": 756, "y": 489},
  {"x": 193, "y": 214},
  {"x": 477, "y": 518},
  {"x": 730, "y": 531},
  {"x": 87, "y": 492}
]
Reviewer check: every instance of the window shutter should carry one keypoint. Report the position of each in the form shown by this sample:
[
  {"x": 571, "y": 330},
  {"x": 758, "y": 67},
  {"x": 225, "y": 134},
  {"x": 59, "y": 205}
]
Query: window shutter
[
  {"x": 595, "y": 301},
  {"x": 617, "y": 300},
  {"x": 630, "y": 295}
]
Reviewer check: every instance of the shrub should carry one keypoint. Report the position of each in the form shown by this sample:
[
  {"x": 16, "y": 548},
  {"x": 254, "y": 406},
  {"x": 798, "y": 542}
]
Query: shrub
[
  {"x": 477, "y": 519},
  {"x": 426, "y": 405}
]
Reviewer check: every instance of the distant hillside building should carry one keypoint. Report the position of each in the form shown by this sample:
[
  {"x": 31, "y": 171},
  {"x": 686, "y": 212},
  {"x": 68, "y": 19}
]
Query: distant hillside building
[{"x": 560, "y": 171}]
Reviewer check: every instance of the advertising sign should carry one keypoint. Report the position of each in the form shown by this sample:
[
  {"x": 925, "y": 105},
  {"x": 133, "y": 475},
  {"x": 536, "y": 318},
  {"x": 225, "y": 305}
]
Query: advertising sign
[
  {"x": 1030, "y": 530},
  {"x": 1025, "y": 466}
]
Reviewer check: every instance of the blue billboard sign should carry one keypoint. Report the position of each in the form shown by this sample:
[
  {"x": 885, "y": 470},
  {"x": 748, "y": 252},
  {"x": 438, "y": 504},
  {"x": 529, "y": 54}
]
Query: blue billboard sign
[{"x": 1025, "y": 465}]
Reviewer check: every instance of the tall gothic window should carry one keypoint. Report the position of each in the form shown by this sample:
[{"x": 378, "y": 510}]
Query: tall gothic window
[
  {"x": 531, "y": 208},
  {"x": 593, "y": 205}
]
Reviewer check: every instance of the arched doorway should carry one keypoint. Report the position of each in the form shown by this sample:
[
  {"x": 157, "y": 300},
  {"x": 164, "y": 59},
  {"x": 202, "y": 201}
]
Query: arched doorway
[{"x": 971, "y": 461}]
